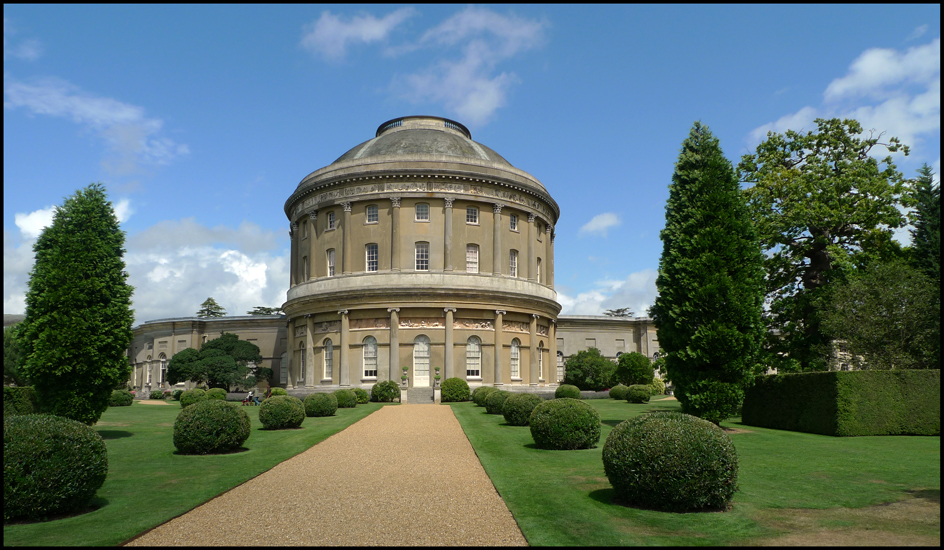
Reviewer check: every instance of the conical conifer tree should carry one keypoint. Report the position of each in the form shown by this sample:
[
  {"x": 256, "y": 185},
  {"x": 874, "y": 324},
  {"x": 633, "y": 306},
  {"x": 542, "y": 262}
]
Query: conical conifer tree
[{"x": 710, "y": 283}]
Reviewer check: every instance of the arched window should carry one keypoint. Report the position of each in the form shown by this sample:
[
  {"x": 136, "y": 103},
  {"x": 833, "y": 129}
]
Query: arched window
[
  {"x": 163, "y": 360},
  {"x": 515, "y": 356},
  {"x": 473, "y": 358},
  {"x": 541, "y": 361},
  {"x": 328, "y": 359},
  {"x": 301, "y": 362},
  {"x": 560, "y": 366},
  {"x": 370, "y": 357},
  {"x": 421, "y": 361},
  {"x": 148, "y": 368}
]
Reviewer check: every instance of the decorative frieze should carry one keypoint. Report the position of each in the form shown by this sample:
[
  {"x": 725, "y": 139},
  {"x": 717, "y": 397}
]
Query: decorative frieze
[
  {"x": 377, "y": 323},
  {"x": 422, "y": 322},
  {"x": 301, "y": 331},
  {"x": 542, "y": 330},
  {"x": 516, "y": 326},
  {"x": 473, "y": 324},
  {"x": 328, "y": 326}
]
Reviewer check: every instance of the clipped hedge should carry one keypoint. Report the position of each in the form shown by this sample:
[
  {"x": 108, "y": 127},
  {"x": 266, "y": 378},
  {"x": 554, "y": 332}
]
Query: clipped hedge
[
  {"x": 210, "y": 426},
  {"x": 455, "y": 390},
  {"x": 346, "y": 398},
  {"x": 385, "y": 392},
  {"x": 671, "y": 461},
  {"x": 175, "y": 395},
  {"x": 281, "y": 412},
  {"x": 567, "y": 391},
  {"x": 120, "y": 398},
  {"x": 638, "y": 393},
  {"x": 518, "y": 407},
  {"x": 19, "y": 401},
  {"x": 320, "y": 404},
  {"x": 619, "y": 392},
  {"x": 847, "y": 403},
  {"x": 51, "y": 465},
  {"x": 156, "y": 394},
  {"x": 361, "y": 396},
  {"x": 278, "y": 391},
  {"x": 495, "y": 401},
  {"x": 216, "y": 393},
  {"x": 481, "y": 393},
  {"x": 565, "y": 424},
  {"x": 190, "y": 397}
]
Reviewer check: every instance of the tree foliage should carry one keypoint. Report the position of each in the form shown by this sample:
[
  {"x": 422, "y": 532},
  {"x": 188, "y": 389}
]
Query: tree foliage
[
  {"x": 263, "y": 310},
  {"x": 223, "y": 362},
  {"x": 78, "y": 309},
  {"x": 926, "y": 218},
  {"x": 619, "y": 312},
  {"x": 588, "y": 370},
  {"x": 209, "y": 308},
  {"x": 888, "y": 315},
  {"x": 821, "y": 204},
  {"x": 633, "y": 368},
  {"x": 710, "y": 283},
  {"x": 13, "y": 359}
]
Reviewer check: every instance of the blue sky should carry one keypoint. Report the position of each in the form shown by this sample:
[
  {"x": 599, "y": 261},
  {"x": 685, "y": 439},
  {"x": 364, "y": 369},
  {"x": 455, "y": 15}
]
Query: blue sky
[{"x": 201, "y": 120}]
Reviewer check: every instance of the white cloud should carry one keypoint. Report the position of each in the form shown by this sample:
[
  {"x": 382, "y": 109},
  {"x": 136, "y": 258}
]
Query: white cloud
[
  {"x": 32, "y": 224},
  {"x": 27, "y": 50},
  {"x": 637, "y": 292},
  {"x": 801, "y": 120},
  {"x": 917, "y": 33},
  {"x": 131, "y": 137},
  {"x": 329, "y": 36},
  {"x": 878, "y": 69},
  {"x": 600, "y": 224},
  {"x": 123, "y": 210}
]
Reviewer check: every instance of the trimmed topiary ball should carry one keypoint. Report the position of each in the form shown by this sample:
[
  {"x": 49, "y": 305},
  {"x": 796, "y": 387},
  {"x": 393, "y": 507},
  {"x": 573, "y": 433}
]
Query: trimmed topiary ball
[
  {"x": 210, "y": 426},
  {"x": 495, "y": 401},
  {"x": 565, "y": 424},
  {"x": 671, "y": 461},
  {"x": 455, "y": 390},
  {"x": 385, "y": 392},
  {"x": 120, "y": 398},
  {"x": 51, "y": 465},
  {"x": 480, "y": 393},
  {"x": 638, "y": 393},
  {"x": 346, "y": 399},
  {"x": 281, "y": 412},
  {"x": 278, "y": 391},
  {"x": 361, "y": 395},
  {"x": 320, "y": 404},
  {"x": 658, "y": 386},
  {"x": 176, "y": 394},
  {"x": 216, "y": 393},
  {"x": 567, "y": 390},
  {"x": 190, "y": 397},
  {"x": 618, "y": 392},
  {"x": 518, "y": 407}
]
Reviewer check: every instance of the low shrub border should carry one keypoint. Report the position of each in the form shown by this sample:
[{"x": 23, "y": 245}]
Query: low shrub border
[
  {"x": 481, "y": 393},
  {"x": 495, "y": 401}
]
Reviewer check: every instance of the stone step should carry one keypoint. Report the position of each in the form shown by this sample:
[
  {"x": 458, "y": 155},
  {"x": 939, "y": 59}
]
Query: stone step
[{"x": 419, "y": 396}]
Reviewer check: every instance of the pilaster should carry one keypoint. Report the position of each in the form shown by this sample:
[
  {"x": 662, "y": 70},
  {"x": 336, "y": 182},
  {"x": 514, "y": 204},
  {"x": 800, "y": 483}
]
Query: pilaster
[
  {"x": 345, "y": 374},
  {"x": 496, "y": 241},
  {"x": 346, "y": 251},
  {"x": 448, "y": 371},
  {"x": 499, "y": 338},
  {"x": 533, "y": 354},
  {"x": 447, "y": 235},
  {"x": 395, "y": 234},
  {"x": 394, "y": 344}
]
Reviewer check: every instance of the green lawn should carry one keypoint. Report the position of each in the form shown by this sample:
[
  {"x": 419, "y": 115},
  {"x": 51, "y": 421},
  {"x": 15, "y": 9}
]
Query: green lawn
[
  {"x": 148, "y": 483},
  {"x": 789, "y": 483}
]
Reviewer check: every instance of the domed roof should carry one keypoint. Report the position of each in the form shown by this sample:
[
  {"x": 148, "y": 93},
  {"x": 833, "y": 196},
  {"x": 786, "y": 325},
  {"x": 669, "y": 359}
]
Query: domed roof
[{"x": 422, "y": 135}]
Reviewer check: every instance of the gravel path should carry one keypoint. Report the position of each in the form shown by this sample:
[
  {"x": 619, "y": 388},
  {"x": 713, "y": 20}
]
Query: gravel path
[{"x": 404, "y": 476}]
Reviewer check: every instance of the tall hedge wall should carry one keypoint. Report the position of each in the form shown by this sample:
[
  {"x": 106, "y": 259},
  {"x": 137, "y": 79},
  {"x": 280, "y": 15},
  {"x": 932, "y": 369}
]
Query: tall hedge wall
[
  {"x": 900, "y": 402},
  {"x": 19, "y": 401}
]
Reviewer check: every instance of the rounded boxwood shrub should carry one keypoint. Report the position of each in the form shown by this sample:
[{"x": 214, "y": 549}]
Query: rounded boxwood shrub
[
  {"x": 480, "y": 393},
  {"x": 190, "y": 397},
  {"x": 281, "y": 412},
  {"x": 346, "y": 398},
  {"x": 320, "y": 404},
  {"x": 565, "y": 424},
  {"x": 216, "y": 393},
  {"x": 638, "y": 394},
  {"x": 495, "y": 401},
  {"x": 120, "y": 398},
  {"x": 384, "y": 392},
  {"x": 671, "y": 461},
  {"x": 156, "y": 394},
  {"x": 517, "y": 408},
  {"x": 278, "y": 391},
  {"x": 658, "y": 386},
  {"x": 361, "y": 395},
  {"x": 455, "y": 390},
  {"x": 176, "y": 394},
  {"x": 51, "y": 465},
  {"x": 210, "y": 426},
  {"x": 567, "y": 390},
  {"x": 618, "y": 392}
]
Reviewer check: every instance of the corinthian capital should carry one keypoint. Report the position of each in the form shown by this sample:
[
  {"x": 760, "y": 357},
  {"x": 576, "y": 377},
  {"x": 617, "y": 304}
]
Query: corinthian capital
[
  {"x": 497, "y": 208},
  {"x": 346, "y": 206}
]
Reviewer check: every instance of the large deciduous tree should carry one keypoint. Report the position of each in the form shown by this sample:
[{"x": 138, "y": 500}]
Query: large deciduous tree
[
  {"x": 223, "y": 362},
  {"x": 589, "y": 370},
  {"x": 710, "y": 283},
  {"x": 821, "y": 204},
  {"x": 78, "y": 309}
]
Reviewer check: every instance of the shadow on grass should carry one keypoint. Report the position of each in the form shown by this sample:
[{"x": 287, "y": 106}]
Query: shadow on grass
[
  {"x": 114, "y": 434},
  {"x": 934, "y": 495},
  {"x": 94, "y": 504},
  {"x": 222, "y": 453}
]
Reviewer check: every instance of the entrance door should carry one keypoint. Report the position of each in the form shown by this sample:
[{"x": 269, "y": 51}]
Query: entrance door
[{"x": 421, "y": 362}]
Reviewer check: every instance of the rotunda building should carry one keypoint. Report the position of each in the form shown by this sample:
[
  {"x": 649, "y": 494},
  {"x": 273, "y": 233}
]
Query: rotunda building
[{"x": 421, "y": 254}]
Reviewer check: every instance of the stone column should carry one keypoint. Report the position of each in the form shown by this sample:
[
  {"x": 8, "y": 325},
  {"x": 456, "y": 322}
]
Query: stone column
[
  {"x": 532, "y": 235},
  {"x": 293, "y": 262},
  {"x": 344, "y": 378},
  {"x": 312, "y": 219},
  {"x": 447, "y": 236},
  {"x": 290, "y": 357},
  {"x": 552, "y": 348},
  {"x": 449, "y": 342},
  {"x": 395, "y": 235},
  {"x": 550, "y": 258},
  {"x": 496, "y": 242},
  {"x": 310, "y": 351},
  {"x": 346, "y": 251},
  {"x": 498, "y": 345},
  {"x": 394, "y": 344},
  {"x": 533, "y": 354}
]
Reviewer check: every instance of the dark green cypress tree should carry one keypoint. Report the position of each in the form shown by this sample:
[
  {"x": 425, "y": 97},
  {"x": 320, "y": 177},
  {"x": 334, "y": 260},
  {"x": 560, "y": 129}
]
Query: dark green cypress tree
[
  {"x": 78, "y": 309},
  {"x": 926, "y": 236},
  {"x": 710, "y": 283}
]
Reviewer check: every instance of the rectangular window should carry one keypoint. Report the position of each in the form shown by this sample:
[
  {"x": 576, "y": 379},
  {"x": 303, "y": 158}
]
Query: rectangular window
[
  {"x": 328, "y": 359},
  {"x": 283, "y": 373},
  {"x": 472, "y": 215},
  {"x": 330, "y": 262},
  {"x": 372, "y": 216},
  {"x": 471, "y": 258},
  {"x": 513, "y": 263},
  {"x": 331, "y": 221},
  {"x": 305, "y": 267},
  {"x": 513, "y": 221},
  {"x": 372, "y": 257},
  {"x": 422, "y": 256},
  {"x": 539, "y": 271},
  {"x": 422, "y": 212},
  {"x": 560, "y": 367}
]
